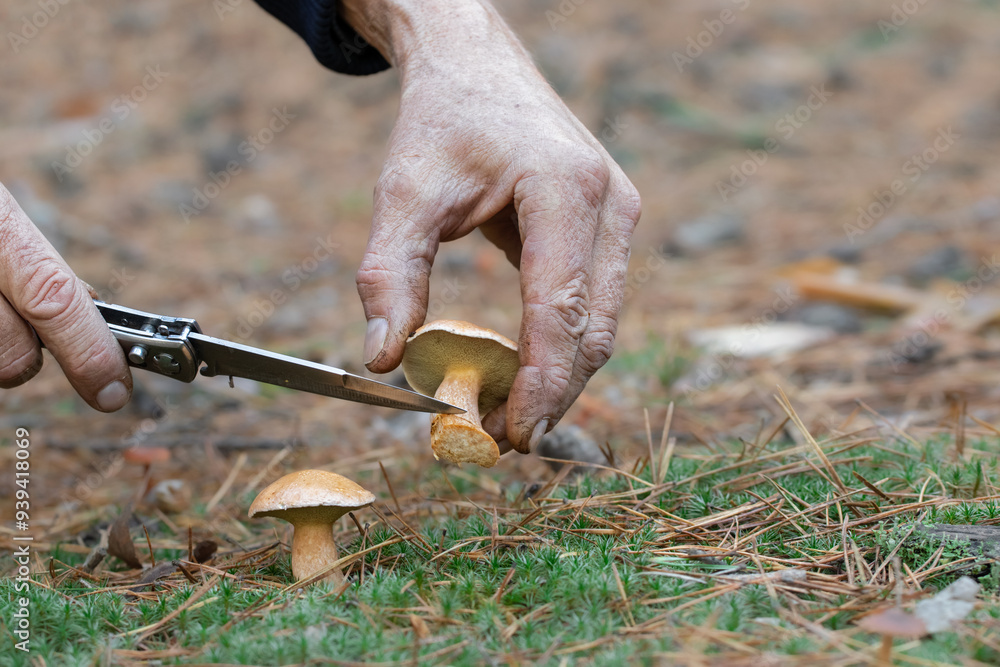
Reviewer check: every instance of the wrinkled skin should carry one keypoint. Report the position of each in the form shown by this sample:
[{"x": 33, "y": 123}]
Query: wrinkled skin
[
  {"x": 482, "y": 141},
  {"x": 39, "y": 291}
]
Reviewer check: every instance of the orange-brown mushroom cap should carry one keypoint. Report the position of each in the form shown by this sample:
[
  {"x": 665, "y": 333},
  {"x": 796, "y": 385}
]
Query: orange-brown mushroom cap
[
  {"x": 315, "y": 492},
  {"x": 146, "y": 455}
]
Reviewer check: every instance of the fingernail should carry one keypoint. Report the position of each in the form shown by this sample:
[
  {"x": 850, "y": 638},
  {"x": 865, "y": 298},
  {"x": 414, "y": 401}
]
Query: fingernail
[
  {"x": 536, "y": 435},
  {"x": 113, "y": 397},
  {"x": 378, "y": 329}
]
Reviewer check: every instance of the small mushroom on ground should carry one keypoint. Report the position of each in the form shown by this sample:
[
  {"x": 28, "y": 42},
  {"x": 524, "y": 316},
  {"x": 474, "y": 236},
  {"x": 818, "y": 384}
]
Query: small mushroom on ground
[
  {"x": 470, "y": 367},
  {"x": 311, "y": 500},
  {"x": 146, "y": 457},
  {"x": 891, "y": 623}
]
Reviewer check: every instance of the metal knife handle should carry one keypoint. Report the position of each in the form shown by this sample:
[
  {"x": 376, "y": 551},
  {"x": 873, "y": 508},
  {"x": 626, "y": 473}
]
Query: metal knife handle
[{"x": 155, "y": 343}]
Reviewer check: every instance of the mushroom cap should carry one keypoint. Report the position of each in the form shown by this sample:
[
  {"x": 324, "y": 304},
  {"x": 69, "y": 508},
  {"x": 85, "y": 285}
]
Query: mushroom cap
[
  {"x": 146, "y": 455},
  {"x": 894, "y": 622},
  {"x": 435, "y": 347},
  {"x": 310, "y": 494}
]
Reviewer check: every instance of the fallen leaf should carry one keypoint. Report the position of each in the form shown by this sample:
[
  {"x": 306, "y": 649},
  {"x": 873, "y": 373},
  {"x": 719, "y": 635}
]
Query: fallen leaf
[
  {"x": 120, "y": 542},
  {"x": 164, "y": 569},
  {"x": 876, "y": 296},
  {"x": 204, "y": 550}
]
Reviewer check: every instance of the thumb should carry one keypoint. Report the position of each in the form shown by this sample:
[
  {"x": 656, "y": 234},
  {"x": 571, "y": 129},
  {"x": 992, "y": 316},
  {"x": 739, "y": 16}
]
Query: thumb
[{"x": 393, "y": 284}]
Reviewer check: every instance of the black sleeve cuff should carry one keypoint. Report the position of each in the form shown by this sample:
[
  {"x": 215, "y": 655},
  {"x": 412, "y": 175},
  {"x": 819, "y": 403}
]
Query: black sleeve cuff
[{"x": 332, "y": 40}]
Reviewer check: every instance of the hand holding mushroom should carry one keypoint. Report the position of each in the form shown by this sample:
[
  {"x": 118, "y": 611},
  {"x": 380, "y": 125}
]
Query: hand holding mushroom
[
  {"x": 482, "y": 141},
  {"x": 470, "y": 367}
]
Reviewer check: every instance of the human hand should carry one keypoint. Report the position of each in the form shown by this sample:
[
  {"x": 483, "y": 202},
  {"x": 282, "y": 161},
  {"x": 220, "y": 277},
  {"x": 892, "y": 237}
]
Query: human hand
[
  {"x": 39, "y": 294},
  {"x": 483, "y": 141}
]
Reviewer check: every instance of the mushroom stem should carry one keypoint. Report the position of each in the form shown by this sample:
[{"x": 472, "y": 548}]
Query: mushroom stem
[
  {"x": 313, "y": 549},
  {"x": 461, "y": 438},
  {"x": 885, "y": 651}
]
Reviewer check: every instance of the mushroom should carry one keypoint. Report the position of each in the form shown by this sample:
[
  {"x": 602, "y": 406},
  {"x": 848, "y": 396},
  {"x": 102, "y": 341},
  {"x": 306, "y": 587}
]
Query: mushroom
[
  {"x": 890, "y": 623},
  {"x": 311, "y": 500},
  {"x": 146, "y": 456},
  {"x": 470, "y": 367}
]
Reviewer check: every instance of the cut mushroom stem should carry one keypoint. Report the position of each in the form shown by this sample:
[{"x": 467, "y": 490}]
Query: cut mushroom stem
[{"x": 460, "y": 438}]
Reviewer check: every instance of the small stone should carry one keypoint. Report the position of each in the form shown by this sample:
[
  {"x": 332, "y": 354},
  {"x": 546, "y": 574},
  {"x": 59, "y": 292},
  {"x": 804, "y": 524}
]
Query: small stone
[
  {"x": 942, "y": 261},
  {"x": 766, "y": 96},
  {"x": 986, "y": 209},
  {"x": 259, "y": 214},
  {"x": 848, "y": 253},
  {"x": 943, "y": 611},
  {"x": 828, "y": 315},
  {"x": 707, "y": 232},
  {"x": 222, "y": 152},
  {"x": 570, "y": 443},
  {"x": 404, "y": 427},
  {"x": 170, "y": 496}
]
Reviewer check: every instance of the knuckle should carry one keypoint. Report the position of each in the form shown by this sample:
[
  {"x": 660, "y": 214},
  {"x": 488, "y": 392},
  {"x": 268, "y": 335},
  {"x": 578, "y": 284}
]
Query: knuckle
[
  {"x": 630, "y": 205},
  {"x": 397, "y": 188},
  {"x": 577, "y": 169},
  {"x": 50, "y": 292},
  {"x": 376, "y": 280},
  {"x": 549, "y": 383},
  {"x": 372, "y": 272},
  {"x": 570, "y": 305},
  {"x": 596, "y": 347},
  {"x": 588, "y": 172}
]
